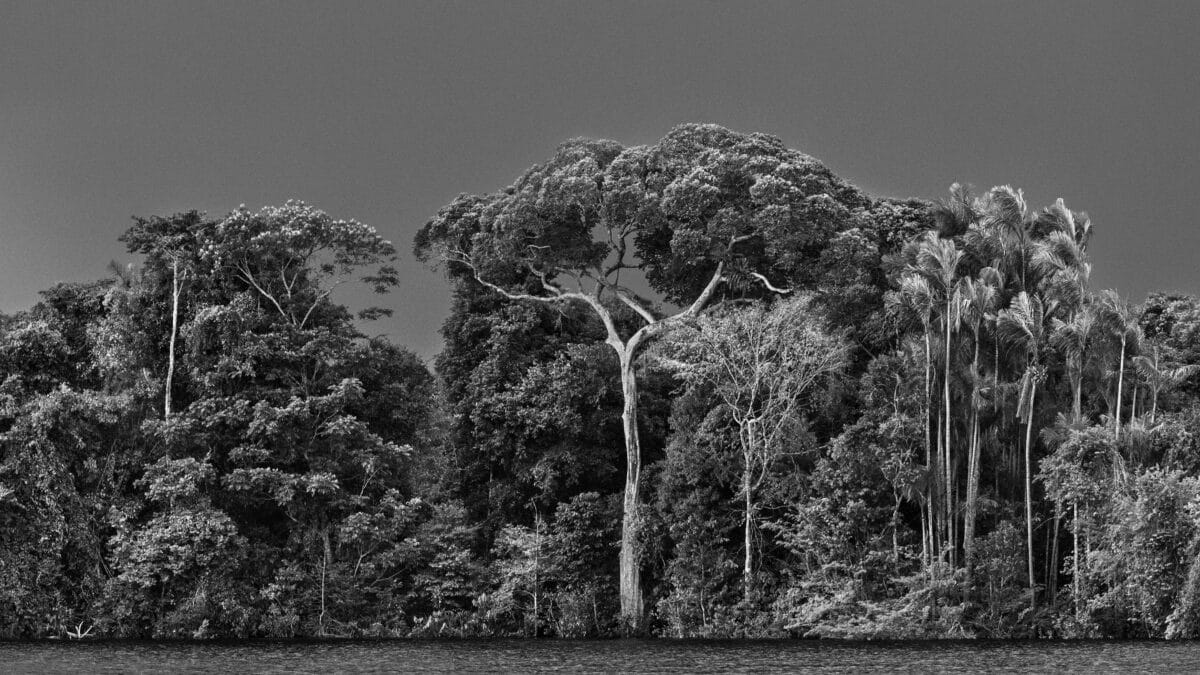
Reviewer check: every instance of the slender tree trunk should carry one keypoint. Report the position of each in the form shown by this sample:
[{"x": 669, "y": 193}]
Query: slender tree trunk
[
  {"x": 175, "y": 290},
  {"x": 939, "y": 496},
  {"x": 1077, "y": 572},
  {"x": 930, "y": 486},
  {"x": 972, "y": 495},
  {"x": 327, "y": 554},
  {"x": 925, "y": 543},
  {"x": 949, "y": 506},
  {"x": 895, "y": 533},
  {"x": 1052, "y": 568},
  {"x": 630, "y": 570},
  {"x": 1029, "y": 493},
  {"x": 972, "y": 475},
  {"x": 1077, "y": 403},
  {"x": 748, "y": 536},
  {"x": 1154, "y": 389},
  {"x": 537, "y": 568},
  {"x": 1120, "y": 381}
]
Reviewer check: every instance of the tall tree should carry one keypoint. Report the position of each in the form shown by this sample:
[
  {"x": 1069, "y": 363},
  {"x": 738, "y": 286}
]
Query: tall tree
[
  {"x": 1123, "y": 324},
  {"x": 1025, "y": 325},
  {"x": 980, "y": 299},
  {"x": 939, "y": 260},
  {"x": 701, "y": 208},
  {"x": 761, "y": 363}
]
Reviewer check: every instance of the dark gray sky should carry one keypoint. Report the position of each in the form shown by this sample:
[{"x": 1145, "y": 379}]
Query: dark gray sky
[{"x": 384, "y": 112}]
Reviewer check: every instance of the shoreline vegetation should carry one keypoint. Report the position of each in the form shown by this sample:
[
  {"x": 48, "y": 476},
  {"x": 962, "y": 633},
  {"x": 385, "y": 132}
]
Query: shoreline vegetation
[{"x": 703, "y": 388}]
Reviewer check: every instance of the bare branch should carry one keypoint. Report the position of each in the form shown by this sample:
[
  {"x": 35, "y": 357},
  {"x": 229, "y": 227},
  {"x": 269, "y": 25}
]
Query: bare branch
[
  {"x": 244, "y": 269},
  {"x": 317, "y": 301},
  {"x": 705, "y": 295},
  {"x": 769, "y": 286},
  {"x": 636, "y": 306}
]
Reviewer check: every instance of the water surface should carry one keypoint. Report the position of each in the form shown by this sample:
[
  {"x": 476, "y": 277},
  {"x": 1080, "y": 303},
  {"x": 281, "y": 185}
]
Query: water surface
[{"x": 626, "y": 656}]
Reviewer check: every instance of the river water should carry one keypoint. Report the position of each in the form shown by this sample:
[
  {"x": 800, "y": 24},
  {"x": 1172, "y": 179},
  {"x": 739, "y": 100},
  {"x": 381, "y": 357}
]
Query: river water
[{"x": 626, "y": 656}]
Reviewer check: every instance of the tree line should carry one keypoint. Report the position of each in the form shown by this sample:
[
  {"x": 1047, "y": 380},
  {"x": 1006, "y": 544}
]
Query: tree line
[{"x": 699, "y": 388}]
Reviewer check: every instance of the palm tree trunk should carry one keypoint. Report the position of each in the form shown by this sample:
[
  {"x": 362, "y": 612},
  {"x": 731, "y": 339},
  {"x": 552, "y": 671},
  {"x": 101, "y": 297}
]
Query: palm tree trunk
[
  {"x": 1120, "y": 381},
  {"x": 1052, "y": 567},
  {"x": 1029, "y": 494},
  {"x": 1077, "y": 406},
  {"x": 931, "y": 463},
  {"x": 949, "y": 506},
  {"x": 972, "y": 474}
]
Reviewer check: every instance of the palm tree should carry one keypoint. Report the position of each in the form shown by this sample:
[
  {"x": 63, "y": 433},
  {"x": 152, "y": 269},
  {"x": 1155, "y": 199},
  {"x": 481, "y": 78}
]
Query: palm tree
[
  {"x": 1009, "y": 222},
  {"x": 917, "y": 296},
  {"x": 980, "y": 300},
  {"x": 1024, "y": 324},
  {"x": 1123, "y": 323},
  {"x": 939, "y": 259},
  {"x": 1160, "y": 376},
  {"x": 1073, "y": 338}
]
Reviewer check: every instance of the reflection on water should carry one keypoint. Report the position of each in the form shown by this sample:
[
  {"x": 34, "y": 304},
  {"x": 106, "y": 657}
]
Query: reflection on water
[{"x": 627, "y": 656}]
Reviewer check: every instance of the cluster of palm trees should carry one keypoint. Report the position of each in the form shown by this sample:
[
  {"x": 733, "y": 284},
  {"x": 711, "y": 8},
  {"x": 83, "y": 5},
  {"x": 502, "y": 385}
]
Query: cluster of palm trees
[{"x": 1010, "y": 330}]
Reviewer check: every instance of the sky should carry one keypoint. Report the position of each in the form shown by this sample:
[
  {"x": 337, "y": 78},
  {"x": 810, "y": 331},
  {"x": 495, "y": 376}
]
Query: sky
[{"x": 383, "y": 112}]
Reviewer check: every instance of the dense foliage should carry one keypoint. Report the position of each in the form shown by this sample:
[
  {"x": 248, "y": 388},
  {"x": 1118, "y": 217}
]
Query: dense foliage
[{"x": 698, "y": 388}]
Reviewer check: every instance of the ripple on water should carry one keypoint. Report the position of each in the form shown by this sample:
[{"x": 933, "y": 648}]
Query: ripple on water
[{"x": 626, "y": 656}]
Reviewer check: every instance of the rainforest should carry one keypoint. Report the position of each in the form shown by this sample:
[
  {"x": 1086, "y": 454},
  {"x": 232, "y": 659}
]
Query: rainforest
[{"x": 697, "y": 388}]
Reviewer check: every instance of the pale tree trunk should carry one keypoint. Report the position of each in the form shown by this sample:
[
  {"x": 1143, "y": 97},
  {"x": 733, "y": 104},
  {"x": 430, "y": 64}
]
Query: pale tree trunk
[
  {"x": 1029, "y": 493},
  {"x": 930, "y": 463},
  {"x": 748, "y": 524},
  {"x": 1120, "y": 380},
  {"x": 949, "y": 490},
  {"x": 1155, "y": 388},
  {"x": 327, "y": 554},
  {"x": 972, "y": 508},
  {"x": 1077, "y": 403},
  {"x": 1077, "y": 572},
  {"x": 748, "y": 535},
  {"x": 631, "y": 573},
  {"x": 972, "y": 474},
  {"x": 175, "y": 291},
  {"x": 1052, "y": 566}
]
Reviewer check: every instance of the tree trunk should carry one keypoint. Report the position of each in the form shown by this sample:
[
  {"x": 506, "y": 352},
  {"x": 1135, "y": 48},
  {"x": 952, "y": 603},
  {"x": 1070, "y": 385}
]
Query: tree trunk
[
  {"x": 327, "y": 554},
  {"x": 972, "y": 495},
  {"x": 972, "y": 474},
  {"x": 924, "y": 536},
  {"x": 949, "y": 506},
  {"x": 748, "y": 536},
  {"x": 1076, "y": 572},
  {"x": 1120, "y": 380},
  {"x": 1077, "y": 402},
  {"x": 630, "y": 569},
  {"x": 930, "y": 460},
  {"x": 175, "y": 289},
  {"x": 1052, "y": 567},
  {"x": 1029, "y": 493}
]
